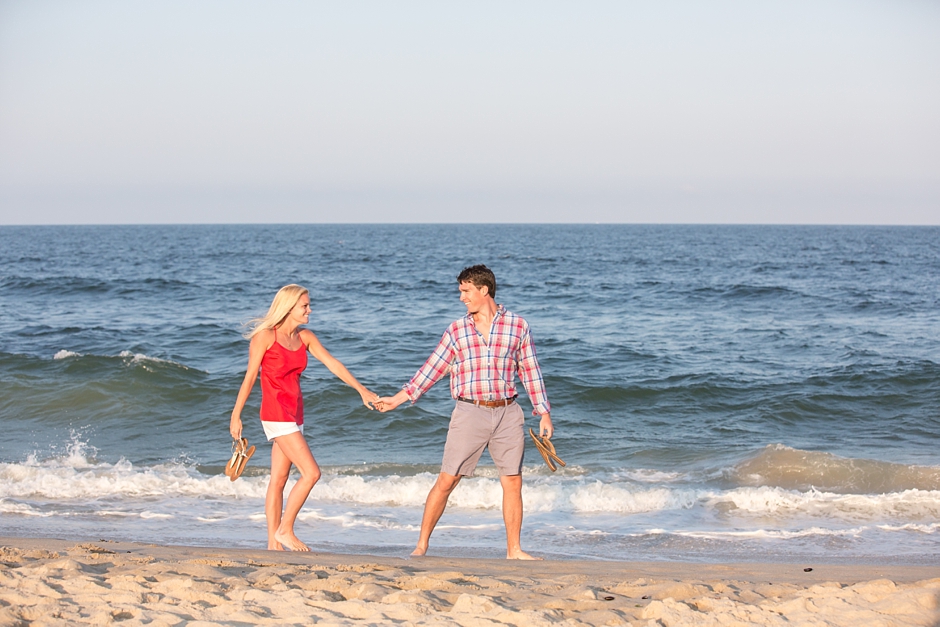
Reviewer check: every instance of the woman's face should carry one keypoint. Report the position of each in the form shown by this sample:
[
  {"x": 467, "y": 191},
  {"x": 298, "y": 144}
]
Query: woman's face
[{"x": 301, "y": 311}]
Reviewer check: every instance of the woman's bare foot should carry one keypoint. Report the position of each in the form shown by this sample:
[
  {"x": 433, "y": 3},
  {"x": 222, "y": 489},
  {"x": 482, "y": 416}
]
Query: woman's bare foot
[
  {"x": 291, "y": 541},
  {"x": 419, "y": 552},
  {"x": 519, "y": 554},
  {"x": 274, "y": 545}
]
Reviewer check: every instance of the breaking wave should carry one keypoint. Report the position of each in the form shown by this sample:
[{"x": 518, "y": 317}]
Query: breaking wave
[
  {"x": 76, "y": 477},
  {"x": 793, "y": 469}
]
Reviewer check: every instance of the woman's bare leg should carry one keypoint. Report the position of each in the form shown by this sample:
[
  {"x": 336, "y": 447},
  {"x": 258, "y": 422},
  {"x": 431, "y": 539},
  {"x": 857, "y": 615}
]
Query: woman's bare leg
[
  {"x": 274, "y": 499},
  {"x": 294, "y": 449}
]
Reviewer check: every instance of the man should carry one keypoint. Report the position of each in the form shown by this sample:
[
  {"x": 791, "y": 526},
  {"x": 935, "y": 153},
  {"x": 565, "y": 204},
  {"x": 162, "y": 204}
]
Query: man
[{"x": 483, "y": 352}]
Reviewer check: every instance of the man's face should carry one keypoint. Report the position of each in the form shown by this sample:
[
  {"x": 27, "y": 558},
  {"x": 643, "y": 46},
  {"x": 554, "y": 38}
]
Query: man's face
[{"x": 473, "y": 297}]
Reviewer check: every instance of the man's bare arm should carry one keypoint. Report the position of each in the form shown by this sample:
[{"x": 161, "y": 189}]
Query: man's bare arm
[{"x": 388, "y": 403}]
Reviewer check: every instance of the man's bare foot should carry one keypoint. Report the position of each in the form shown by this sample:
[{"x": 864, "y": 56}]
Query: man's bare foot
[
  {"x": 519, "y": 554},
  {"x": 419, "y": 552},
  {"x": 291, "y": 541}
]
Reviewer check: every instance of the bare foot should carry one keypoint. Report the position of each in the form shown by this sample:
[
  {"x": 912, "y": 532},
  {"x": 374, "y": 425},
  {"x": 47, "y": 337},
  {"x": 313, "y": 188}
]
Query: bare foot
[
  {"x": 419, "y": 552},
  {"x": 291, "y": 541},
  {"x": 273, "y": 545},
  {"x": 519, "y": 554}
]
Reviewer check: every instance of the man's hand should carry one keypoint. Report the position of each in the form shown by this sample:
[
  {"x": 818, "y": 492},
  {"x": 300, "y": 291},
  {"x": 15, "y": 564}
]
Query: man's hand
[
  {"x": 546, "y": 429},
  {"x": 388, "y": 403}
]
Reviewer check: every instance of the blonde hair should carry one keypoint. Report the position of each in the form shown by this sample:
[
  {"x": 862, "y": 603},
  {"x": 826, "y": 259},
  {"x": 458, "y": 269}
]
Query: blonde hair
[{"x": 285, "y": 300}]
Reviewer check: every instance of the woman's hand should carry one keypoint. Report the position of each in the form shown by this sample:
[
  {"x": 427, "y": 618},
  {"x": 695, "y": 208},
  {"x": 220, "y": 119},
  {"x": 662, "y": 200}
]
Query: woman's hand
[
  {"x": 369, "y": 398},
  {"x": 235, "y": 426}
]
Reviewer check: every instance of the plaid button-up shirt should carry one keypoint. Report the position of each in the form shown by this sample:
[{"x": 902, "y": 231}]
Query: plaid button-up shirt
[{"x": 481, "y": 371}]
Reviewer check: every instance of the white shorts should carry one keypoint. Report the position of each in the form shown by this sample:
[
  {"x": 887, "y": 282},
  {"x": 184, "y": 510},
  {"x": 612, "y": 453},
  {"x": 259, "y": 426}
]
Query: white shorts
[{"x": 277, "y": 429}]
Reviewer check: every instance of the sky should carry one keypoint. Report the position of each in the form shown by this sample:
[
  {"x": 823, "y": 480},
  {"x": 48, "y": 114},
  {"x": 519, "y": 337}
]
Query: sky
[{"x": 667, "y": 111}]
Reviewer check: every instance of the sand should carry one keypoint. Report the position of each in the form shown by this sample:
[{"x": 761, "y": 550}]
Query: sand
[{"x": 55, "y": 582}]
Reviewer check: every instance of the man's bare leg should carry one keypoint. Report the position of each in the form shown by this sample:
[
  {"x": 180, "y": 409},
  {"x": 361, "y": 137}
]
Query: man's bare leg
[
  {"x": 433, "y": 508},
  {"x": 512, "y": 517}
]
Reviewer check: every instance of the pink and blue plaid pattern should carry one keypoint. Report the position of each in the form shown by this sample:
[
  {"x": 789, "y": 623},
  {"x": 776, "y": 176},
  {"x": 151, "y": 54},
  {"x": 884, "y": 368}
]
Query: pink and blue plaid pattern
[{"x": 482, "y": 372}]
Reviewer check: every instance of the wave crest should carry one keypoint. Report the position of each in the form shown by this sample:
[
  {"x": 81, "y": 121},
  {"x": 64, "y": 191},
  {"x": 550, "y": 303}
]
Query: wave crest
[
  {"x": 794, "y": 469},
  {"x": 76, "y": 478}
]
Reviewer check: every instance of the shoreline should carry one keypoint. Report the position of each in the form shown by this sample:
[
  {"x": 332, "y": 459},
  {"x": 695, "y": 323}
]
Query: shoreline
[{"x": 52, "y": 581}]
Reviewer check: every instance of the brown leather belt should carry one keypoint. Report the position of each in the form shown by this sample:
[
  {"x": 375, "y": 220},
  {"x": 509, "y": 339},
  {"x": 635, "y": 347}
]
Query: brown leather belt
[{"x": 501, "y": 403}]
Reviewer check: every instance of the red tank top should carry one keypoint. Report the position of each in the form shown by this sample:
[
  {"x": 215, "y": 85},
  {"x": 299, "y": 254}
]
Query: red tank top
[{"x": 281, "y": 400}]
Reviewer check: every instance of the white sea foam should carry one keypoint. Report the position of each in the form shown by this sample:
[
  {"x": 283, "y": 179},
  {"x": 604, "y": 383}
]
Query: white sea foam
[
  {"x": 77, "y": 477},
  {"x": 771, "y": 534},
  {"x": 11, "y": 507},
  {"x": 348, "y": 520},
  {"x": 78, "y": 454},
  {"x": 570, "y": 515},
  {"x": 129, "y": 357},
  {"x": 117, "y": 513},
  {"x": 144, "y": 360},
  {"x": 764, "y": 500},
  {"x": 922, "y": 528},
  {"x": 68, "y": 478},
  {"x": 599, "y": 497},
  {"x": 150, "y": 515},
  {"x": 646, "y": 475},
  {"x": 389, "y": 490}
]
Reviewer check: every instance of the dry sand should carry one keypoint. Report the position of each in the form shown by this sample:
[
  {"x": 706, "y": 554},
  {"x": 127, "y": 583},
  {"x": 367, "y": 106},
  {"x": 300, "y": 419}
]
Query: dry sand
[{"x": 54, "y": 582}]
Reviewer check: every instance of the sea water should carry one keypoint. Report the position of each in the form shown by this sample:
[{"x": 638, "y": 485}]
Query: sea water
[{"x": 719, "y": 392}]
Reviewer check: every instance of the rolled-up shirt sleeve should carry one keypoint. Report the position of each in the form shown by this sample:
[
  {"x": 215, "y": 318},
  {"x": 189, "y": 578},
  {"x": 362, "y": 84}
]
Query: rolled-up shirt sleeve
[
  {"x": 527, "y": 365},
  {"x": 437, "y": 365}
]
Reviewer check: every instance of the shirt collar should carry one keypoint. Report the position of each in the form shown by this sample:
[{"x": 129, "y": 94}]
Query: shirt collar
[{"x": 500, "y": 310}]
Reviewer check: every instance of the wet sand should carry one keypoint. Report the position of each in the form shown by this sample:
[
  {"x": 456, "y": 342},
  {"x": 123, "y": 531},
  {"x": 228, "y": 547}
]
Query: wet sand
[{"x": 56, "y": 582}]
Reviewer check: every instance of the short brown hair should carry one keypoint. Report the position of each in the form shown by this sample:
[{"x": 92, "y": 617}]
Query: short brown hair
[{"x": 479, "y": 275}]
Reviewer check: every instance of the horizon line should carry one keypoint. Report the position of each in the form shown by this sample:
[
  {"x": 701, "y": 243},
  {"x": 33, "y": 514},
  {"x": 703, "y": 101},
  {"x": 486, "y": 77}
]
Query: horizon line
[{"x": 593, "y": 223}]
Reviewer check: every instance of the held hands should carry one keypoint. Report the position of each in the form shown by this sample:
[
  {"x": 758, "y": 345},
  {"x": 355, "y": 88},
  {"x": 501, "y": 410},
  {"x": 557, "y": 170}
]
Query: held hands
[
  {"x": 388, "y": 403},
  {"x": 369, "y": 398},
  {"x": 384, "y": 404}
]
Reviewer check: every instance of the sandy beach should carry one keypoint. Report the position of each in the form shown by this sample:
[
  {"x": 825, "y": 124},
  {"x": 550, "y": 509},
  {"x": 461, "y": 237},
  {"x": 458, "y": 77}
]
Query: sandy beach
[{"x": 56, "y": 582}]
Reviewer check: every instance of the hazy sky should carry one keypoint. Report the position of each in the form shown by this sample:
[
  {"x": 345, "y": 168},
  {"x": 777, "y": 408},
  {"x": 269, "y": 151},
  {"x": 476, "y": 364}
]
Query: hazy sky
[{"x": 660, "y": 111}]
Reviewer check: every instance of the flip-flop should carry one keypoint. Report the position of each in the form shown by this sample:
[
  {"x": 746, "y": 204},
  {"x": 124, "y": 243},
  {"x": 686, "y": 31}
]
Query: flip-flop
[
  {"x": 546, "y": 445},
  {"x": 243, "y": 453},
  {"x": 543, "y": 451},
  {"x": 547, "y": 450}
]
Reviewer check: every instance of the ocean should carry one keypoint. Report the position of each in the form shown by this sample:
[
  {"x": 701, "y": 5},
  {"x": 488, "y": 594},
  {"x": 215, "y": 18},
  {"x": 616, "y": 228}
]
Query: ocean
[{"x": 720, "y": 393}]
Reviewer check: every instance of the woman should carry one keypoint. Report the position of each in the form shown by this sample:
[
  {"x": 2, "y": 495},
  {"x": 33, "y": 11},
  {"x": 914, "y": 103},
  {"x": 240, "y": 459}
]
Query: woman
[{"x": 279, "y": 350}]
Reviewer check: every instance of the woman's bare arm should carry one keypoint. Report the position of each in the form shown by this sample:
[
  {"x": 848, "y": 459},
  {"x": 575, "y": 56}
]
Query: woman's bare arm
[
  {"x": 260, "y": 343},
  {"x": 336, "y": 367}
]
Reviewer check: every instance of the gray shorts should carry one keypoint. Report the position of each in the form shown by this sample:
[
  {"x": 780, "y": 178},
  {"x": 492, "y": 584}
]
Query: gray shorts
[{"x": 473, "y": 429}]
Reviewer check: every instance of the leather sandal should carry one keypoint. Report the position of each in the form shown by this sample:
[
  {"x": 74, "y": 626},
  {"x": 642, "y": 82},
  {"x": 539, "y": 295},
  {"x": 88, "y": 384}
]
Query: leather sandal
[
  {"x": 230, "y": 466},
  {"x": 547, "y": 450},
  {"x": 241, "y": 453}
]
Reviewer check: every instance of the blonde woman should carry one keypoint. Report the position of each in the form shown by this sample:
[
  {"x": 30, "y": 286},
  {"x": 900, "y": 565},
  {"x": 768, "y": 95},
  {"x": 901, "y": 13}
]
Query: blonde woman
[{"x": 278, "y": 350}]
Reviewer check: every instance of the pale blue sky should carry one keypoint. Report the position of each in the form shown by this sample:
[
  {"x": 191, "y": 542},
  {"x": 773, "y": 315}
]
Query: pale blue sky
[{"x": 665, "y": 111}]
